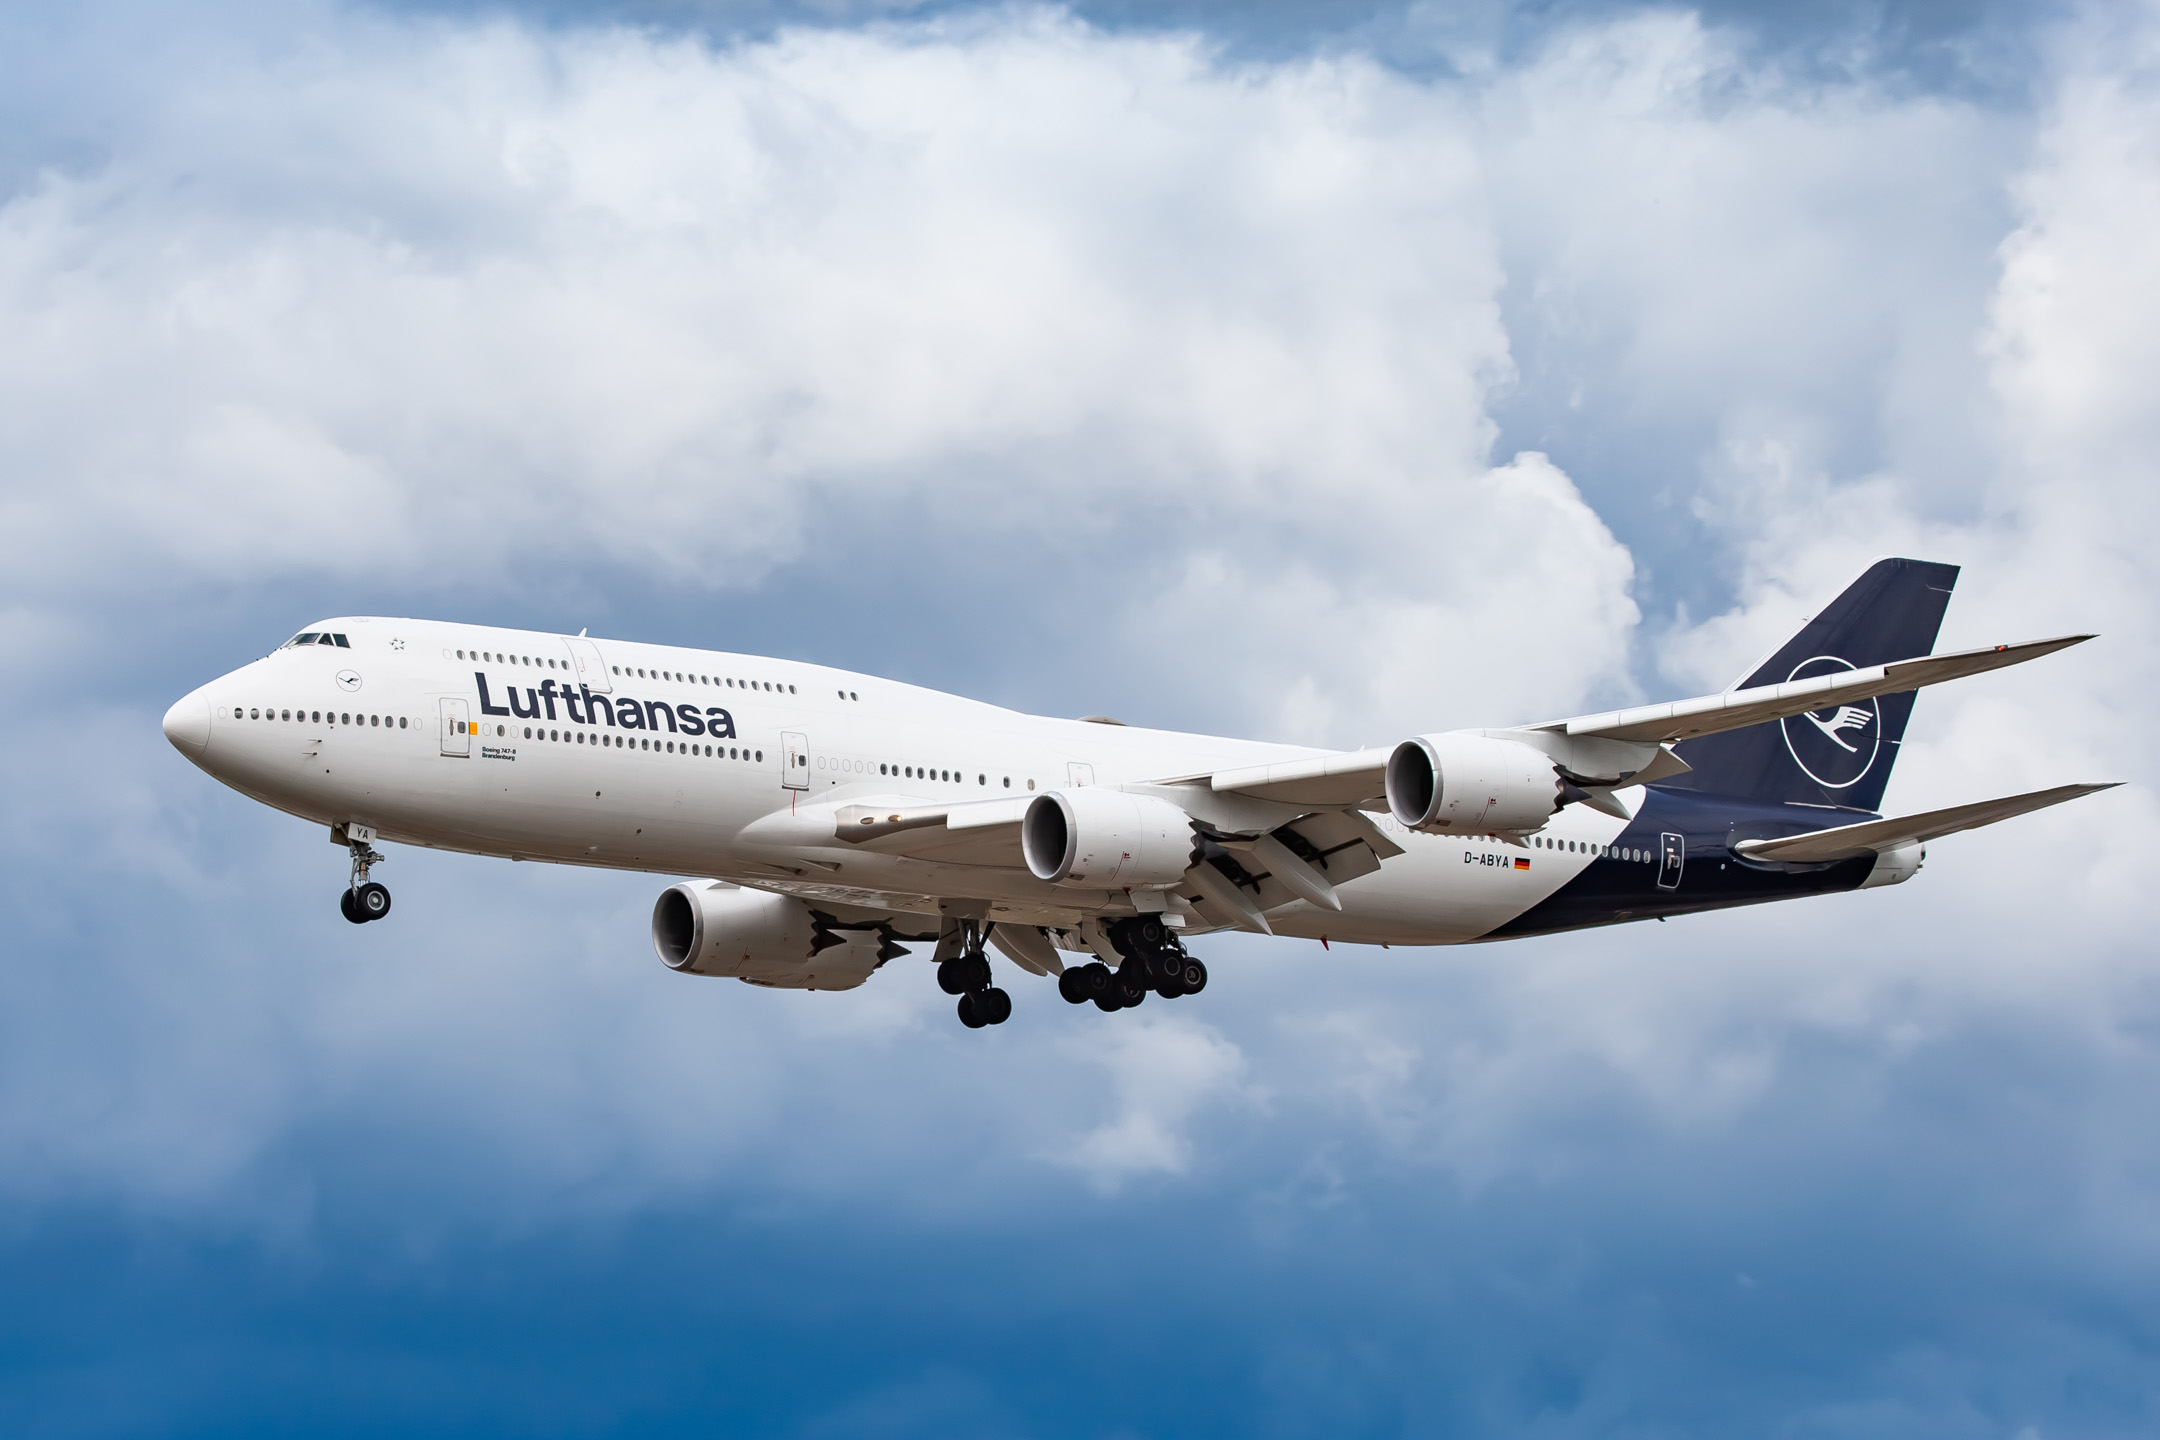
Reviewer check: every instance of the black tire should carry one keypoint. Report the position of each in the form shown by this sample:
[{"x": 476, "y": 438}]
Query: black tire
[
  {"x": 1108, "y": 1001},
  {"x": 1194, "y": 980},
  {"x": 952, "y": 977},
  {"x": 371, "y": 901},
  {"x": 345, "y": 908},
  {"x": 968, "y": 1017},
  {"x": 978, "y": 971},
  {"x": 1072, "y": 987},
  {"x": 1129, "y": 992},
  {"x": 1171, "y": 988},
  {"x": 994, "y": 1005}
]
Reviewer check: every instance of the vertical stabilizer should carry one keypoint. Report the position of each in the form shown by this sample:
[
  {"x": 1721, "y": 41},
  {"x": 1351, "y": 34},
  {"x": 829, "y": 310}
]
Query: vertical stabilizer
[{"x": 1842, "y": 755}]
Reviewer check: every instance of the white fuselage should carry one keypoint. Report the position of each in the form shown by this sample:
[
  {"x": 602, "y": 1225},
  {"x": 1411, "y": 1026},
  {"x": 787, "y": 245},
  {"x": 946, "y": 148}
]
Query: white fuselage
[{"x": 736, "y": 767}]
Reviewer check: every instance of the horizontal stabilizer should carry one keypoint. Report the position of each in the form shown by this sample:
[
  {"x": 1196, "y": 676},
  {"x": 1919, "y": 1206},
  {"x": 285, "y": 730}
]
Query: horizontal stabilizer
[
  {"x": 1873, "y": 836},
  {"x": 1737, "y": 709}
]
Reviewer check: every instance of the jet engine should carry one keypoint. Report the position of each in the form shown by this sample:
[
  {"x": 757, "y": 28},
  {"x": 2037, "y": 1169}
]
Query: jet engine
[
  {"x": 1471, "y": 784},
  {"x": 714, "y": 928},
  {"x": 1107, "y": 839}
]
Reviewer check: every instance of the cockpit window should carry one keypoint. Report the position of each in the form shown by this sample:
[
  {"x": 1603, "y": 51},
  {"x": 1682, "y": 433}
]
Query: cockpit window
[{"x": 317, "y": 637}]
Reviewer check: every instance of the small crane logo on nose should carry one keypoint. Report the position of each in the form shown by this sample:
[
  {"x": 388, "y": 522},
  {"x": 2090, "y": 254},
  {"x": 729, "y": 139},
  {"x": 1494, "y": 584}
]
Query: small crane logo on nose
[{"x": 348, "y": 679}]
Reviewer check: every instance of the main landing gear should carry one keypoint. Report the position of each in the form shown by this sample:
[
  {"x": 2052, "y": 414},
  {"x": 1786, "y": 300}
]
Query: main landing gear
[
  {"x": 364, "y": 899},
  {"x": 1152, "y": 959},
  {"x": 967, "y": 975}
]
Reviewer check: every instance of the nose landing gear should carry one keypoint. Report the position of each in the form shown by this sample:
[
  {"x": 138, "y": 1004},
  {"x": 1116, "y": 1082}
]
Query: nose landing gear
[{"x": 364, "y": 899}]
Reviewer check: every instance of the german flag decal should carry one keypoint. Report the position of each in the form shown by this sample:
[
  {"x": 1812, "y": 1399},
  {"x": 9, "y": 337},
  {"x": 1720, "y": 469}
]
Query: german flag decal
[{"x": 1521, "y": 863}]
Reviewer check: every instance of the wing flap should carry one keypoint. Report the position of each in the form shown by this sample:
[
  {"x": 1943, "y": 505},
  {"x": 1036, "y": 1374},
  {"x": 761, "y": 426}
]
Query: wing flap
[
  {"x": 1873, "y": 836},
  {"x": 1738, "y": 709}
]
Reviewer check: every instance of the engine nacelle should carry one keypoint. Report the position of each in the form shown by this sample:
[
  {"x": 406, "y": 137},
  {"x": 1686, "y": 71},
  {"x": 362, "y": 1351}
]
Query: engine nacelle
[
  {"x": 1471, "y": 784},
  {"x": 709, "y": 927},
  {"x": 1896, "y": 865},
  {"x": 1107, "y": 839}
]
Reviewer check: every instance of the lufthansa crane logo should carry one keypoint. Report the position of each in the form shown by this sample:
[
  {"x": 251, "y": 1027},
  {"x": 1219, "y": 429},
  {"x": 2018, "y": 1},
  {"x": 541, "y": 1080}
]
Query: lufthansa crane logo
[{"x": 1836, "y": 746}]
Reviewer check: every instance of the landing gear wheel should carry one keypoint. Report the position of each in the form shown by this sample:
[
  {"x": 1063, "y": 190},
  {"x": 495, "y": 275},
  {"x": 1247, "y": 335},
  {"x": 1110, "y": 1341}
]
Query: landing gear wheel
[
  {"x": 1194, "y": 979},
  {"x": 363, "y": 900},
  {"x": 969, "y": 1015},
  {"x": 371, "y": 901},
  {"x": 1072, "y": 987},
  {"x": 993, "y": 1005},
  {"x": 1130, "y": 990},
  {"x": 963, "y": 973}
]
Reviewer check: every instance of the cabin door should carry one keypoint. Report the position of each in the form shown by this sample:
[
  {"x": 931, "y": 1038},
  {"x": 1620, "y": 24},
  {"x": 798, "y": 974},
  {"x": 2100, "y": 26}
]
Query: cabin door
[
  {"x": 456, "y": 726},
  {"x": 1672, "y": 858}
]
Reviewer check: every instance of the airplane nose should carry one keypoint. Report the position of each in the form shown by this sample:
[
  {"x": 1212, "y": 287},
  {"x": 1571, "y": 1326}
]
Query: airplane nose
[{"x": 187, "y": 725}]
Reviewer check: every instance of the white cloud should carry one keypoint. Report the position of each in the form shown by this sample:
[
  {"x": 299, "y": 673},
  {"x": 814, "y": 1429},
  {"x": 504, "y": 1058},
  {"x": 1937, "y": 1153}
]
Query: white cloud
[
  {"x": 1161, "y": 1071},
  {"x": 481, "y": 302}
]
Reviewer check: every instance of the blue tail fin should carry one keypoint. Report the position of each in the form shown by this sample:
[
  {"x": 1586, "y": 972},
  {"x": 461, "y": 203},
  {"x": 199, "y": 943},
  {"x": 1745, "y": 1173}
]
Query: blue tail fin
[{"x": 1839, "y": 756}]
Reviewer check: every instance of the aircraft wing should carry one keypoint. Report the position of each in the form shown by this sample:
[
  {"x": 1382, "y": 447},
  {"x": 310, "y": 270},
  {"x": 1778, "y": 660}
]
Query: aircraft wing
[
  {"x": 1340, "y": 780},
  {"x": 1738, "y": 709},
  {"x": 1873, "y": 836},
  {"x": 968, "y": 832},
  {"x": 1352, "y": 778}
]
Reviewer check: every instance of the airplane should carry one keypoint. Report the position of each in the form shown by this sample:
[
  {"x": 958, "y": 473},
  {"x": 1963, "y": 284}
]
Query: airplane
[{"x": 834, "y": 819}]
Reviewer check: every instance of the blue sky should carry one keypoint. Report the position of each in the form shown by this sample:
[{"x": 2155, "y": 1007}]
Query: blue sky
[{"x": 1313, "y": 372}]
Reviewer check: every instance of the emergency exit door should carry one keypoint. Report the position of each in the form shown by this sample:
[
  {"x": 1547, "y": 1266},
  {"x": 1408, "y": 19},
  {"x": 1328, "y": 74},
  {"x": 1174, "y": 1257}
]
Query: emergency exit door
[{"x": 794, "y": 760}]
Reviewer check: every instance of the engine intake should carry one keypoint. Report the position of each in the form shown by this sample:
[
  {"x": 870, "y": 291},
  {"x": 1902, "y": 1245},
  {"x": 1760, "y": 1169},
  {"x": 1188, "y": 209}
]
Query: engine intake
[
  {"x": 1472, "y": 784},
  {"x": 713, "y": 928},
  {"x": 1107, "y": 839}
]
